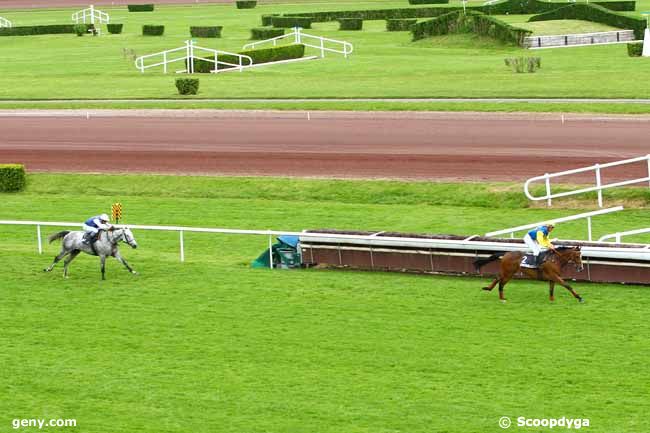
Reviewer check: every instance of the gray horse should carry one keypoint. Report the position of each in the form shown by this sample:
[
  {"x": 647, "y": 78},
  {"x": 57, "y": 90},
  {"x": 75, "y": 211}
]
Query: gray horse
[{"x": 105, "y": 246}]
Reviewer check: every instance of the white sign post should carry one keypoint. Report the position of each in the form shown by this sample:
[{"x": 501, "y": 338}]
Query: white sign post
[{"x": 646, "y": 36}]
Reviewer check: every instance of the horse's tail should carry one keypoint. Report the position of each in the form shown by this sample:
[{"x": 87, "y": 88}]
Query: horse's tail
[
  {"x": 59, "y": 235},
  {"x": 479, "y": 263}
]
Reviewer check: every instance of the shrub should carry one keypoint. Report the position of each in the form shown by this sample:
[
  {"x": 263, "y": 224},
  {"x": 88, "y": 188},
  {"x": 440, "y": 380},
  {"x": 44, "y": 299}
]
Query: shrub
[
  {"x": 427, "y": 2},
  {"x": 266, "y": 33},
  {"x": 264, "y": 55},
  {"x": 246, "y": 4},
  {"x": 471, "y": 22},
  {"x": 635, "y": 49},
  {"x": 148, "y": 30},
  {"x": 12, "y": 177},
  {"x": 141, "y": 8},
  {"x": 187, "y": 86},
  {"x": 595, "y": 13},
  {"x": 524, "y": 64},
  {"x": 350, "y": 23},
  {"x": 537, "y": 7},
  {"x": 267, "y": 19},
  {"x": 80, "y": 29},
  {"x": 400, "y": 25},
  {"x": 42, "y": 30},
  {"x": 114, "y": 29},
  {"x": 289, "y": 22},
  {"x": 206, "y": 32}
]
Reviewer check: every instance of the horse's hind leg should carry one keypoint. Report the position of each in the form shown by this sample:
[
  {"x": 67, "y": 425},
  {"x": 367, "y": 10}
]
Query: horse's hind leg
[
  {"x": 551, "y": 288},
  {"x": 67, "y": 261},
  {"x": 59, "y": 256},
  {"x": 492, "y": 284},
  {"x": 102, "y": 260}
]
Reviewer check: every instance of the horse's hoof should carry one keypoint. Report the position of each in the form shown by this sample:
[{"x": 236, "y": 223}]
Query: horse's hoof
[
  {"x": 552, "y": 299},
  {"x": 582, "y": 301},
  {"x": 503, "y": 301},
  {"x": 486, "y": 289},
  {"x": 134, "y": 273}
]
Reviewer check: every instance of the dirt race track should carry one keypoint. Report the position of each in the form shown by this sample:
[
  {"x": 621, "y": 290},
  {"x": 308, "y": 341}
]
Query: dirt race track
[{"x": 343, "y": 145}]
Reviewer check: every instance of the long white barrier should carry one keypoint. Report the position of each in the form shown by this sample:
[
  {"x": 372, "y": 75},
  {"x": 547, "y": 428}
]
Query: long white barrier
[
  {"x": 300, "y": 38},
  {"x": 587, "y": 215},
  {"x": 5, "y": 22},
  {"x": 618, "y": 235},
  {"x": 599, "y": 187},
  {"x": 93, "y": 16}
]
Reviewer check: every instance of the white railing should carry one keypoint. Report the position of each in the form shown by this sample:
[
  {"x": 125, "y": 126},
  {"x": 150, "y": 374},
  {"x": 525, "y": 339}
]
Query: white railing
[
  {"x": 618, "y": 235},
  {"x": 188, "y": 54},
  {"x": 587, "y": 215},
  {"x": 90, "y": 15},
  {"x": 300, "y": 38},
  {"x": 599, "y": 187},
  {"x": 5, "y": 22}
]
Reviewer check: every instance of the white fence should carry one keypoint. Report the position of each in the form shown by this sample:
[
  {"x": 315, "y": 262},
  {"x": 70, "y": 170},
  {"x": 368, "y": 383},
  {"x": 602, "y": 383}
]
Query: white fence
[
  {"x": 303, "y": 38},
  {"x": 187, "y": 54},
  {"x": 587, "y": 215},
  {"x": 5, "y": 22},
  {"x": 90, "y": 15},
  {"x": 599, "y": 187},
  {"x": 618, "y": 235}
]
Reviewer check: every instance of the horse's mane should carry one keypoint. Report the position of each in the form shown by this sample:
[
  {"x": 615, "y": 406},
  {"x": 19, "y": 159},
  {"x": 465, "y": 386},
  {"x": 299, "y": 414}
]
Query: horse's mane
[{"x": 564, "y": 248}]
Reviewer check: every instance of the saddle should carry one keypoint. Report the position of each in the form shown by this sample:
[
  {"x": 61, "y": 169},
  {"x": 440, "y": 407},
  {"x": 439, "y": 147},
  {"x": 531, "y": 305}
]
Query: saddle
[{"x": 529, "y": 260}]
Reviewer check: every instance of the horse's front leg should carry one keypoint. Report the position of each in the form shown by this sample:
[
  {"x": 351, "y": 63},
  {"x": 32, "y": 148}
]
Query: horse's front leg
[
  {"x": 564, "y": 284},
  {"x": 58, "y": 258},
  {"x": 124, "y": 262},
  {"x": 551, "y": 288},
  {"x": 102, "y": 261}
]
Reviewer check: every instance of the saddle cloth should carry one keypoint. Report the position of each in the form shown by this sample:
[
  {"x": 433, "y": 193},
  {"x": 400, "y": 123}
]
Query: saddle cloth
[{"x": 528, "y": 261}]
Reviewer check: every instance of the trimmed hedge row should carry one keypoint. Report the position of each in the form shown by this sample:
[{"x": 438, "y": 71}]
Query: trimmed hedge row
[
  {"x": 54, "y": 29},
  {"x": 267, "y": 19},
  {"x": 401, "y": 25},
  {"x": 187, "y": 86},
  {"x": 114, "y": 29},
  {"x": 12, "y": 177},
  {"x": 539, "y": 7},
  {"x": 427, "y": 2},
  {"x": 379, "y": 14},
  {"x": 266, "y": 33},
  {"x": 350, "y": 24},
  {"x": 595, "y": 13},
  {"x": 205, "y": 32},
  {"x": 471, "y": 22},
  {"x": 246, "y": 4},
  {"x": 635, "y": 49},
  {"x": 140, "y": 8},
  {"x": 148, "y": 30},
  {"x": 292, "y": 21},
  {"x": 265, "y": 55}
]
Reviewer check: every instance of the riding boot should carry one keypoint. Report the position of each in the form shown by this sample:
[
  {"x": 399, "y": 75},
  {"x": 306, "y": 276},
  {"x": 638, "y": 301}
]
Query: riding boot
[{"x": 539, "y": 260}]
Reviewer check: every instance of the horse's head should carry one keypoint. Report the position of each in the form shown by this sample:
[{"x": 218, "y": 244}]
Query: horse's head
[
  {"x": 127, "y": 236},
  {"x": 574, "y": 255}
]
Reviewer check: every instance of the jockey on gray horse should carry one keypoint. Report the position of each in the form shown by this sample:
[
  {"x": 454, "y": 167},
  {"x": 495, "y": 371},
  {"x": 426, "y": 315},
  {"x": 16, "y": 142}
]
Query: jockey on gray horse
[{"x": 93, "y": 225}]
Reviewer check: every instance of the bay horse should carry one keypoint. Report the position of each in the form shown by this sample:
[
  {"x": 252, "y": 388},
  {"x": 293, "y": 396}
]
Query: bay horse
[
  {"x": 549, "y": 270},
  {"x": 104, "y": 246}
]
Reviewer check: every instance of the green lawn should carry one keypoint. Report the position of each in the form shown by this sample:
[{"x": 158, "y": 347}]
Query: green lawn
[
  {"x": 211, "y": 345},
  {"x": 384, "y": 64}
]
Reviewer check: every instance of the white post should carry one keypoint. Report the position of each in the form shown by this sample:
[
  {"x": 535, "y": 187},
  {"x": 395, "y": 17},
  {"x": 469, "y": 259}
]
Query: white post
[
  {"x": 40, "y": 242},
  {"x": 297, "y": 29},
  {"x": 322, "y": 48},
  {"x": 618, "y": 238},
  {"x": 270, "y": 252},
  {"x": 598, "y": 185},
  {"x": 182, "y": 247},
  {"x": 92, "y": 14},
  {"x": 190, "y": 68},
  {"x": 548, "y": 189},
  {"x": 164, "y": 62},
  {"x": 646, "y": 42},
  {"x": 589, "y": 229}
]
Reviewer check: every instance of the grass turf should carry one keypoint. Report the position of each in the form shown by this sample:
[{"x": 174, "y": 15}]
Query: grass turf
[
  {"x": 384, "y": 64},
  {"x": 214, "y": 346}
]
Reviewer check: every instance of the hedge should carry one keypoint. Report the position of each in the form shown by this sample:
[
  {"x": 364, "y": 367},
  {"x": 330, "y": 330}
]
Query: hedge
[
  {"x": 380, "y": 14},
  {"x": 267, "y": 19},
  {"x": 265, "y": 55},
  {"x": 206, "y": 32},
  {"x": 54, "y": 29},
  {"x": 141, "y": 8},
  {"x": 471, "y": 22},
  {"x": 153, "y": 30},
  {"x": 635, "y": 49},
  {"x": 115, "y": 29},
  {"x": 537, "y": 7},
  {"x": 427, "y": 2},
  {"x": 12, "y": 177},
  {"x": 187, "y": 86},
  {"x": 293, "y": 21},
  {"x": 266, "y": 33},
  {"x": 595, "y": 13},
  {"x": 400, "y": 25},
  {"x": 350, "y": 24},
  {"x": 246, "y": 4}
]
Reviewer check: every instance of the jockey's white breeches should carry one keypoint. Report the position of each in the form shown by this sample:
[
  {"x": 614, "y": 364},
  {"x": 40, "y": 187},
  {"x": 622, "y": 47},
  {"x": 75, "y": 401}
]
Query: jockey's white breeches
[
  {"x": 90, "y": 229},
  {"x": 532, "y": 245}
]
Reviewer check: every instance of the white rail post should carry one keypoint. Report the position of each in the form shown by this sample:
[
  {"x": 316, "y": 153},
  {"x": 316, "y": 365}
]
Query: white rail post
[
  {"x": 190, "y": 64},
  {"x": 164, "y": 62},
  {"x": 182, "y": 246},
  {"x": 38, "y": 235},
  {"x": 270, "y": 251},
  {"x": 598, "y": 185},
  {"x": 92, "y": 14},
  {"x": 322, "y": 48},
  {"x": 548, "y": 189},
  {"x": 618, "y": 238},
  {"x": 589, "y": 229},
  {"x": 298, "y": 39}
]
